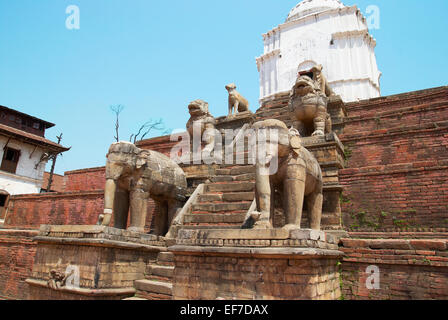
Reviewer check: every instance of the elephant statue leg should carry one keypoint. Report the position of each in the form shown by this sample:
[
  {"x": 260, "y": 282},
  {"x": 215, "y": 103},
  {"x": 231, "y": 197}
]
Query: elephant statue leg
[
  {"x": 294, "y": 186},
  {"x": 139, "y": 204},
  {"x": 314, "y": 202},
  {"x": 160, "y": 218},
  {"x": 264, "y": 194},
  {"x": 121, "y": 208}
]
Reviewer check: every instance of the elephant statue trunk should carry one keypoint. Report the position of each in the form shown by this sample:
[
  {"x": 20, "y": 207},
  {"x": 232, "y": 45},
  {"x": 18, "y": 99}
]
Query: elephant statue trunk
[{"x": 109, "y": 198}]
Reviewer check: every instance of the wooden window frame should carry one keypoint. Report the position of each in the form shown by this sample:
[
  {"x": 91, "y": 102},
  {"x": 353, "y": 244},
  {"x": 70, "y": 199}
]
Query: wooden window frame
[{"x": 10, "y": 165}]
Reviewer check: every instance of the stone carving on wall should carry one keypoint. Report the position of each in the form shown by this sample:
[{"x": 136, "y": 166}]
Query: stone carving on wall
[
  {"x": 308, "y": 103},
  {"x": 57, "y": 279},
  {"x": 298, "y": 178},
  {"x": 237, "y": 103},
  {"x": 205, "y": 123},
  {"x": 133, "y": 176}
]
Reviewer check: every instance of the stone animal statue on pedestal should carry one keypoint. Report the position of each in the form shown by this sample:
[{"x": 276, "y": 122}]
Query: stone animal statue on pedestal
[
  {"x": 298, "y": 179},
  {"x": 237, "y": 103},
  {"x": 133, "y": 176},
  {"x": 308, "y": 103},
  {"x": 57, "y": 279},
  {"x": 205, "y": 123}
]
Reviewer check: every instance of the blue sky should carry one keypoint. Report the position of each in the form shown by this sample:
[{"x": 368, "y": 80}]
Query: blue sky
[{"x": 154, "y": 57}]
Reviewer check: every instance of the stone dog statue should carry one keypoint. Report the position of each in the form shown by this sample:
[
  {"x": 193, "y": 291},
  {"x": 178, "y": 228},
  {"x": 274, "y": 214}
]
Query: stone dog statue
[
  {"x": 201, "y": 117},
  {"x": 237, "y": 103},
  {"x": 133, "y": 176},
  {"x": 298, "y": 179},
  {"x": 308, "y": 103}
]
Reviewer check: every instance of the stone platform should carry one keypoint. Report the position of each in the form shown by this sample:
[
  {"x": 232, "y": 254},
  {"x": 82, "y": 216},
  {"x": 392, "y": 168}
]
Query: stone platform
[
  {"x": 105, "y": 262},
  {"x": 256, "y": 264}
]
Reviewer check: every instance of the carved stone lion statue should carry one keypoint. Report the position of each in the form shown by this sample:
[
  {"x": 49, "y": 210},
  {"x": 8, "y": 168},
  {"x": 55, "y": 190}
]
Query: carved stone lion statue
[
  {"x": 203, "y": 121},
  {"x": 308, "y": 103}
]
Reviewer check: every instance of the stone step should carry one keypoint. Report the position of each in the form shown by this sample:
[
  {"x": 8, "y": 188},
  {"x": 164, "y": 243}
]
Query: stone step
[
  {"x": 239, "y": 196},
  {"x": 237, "y": 218},
  {"x": 165, "y": 257},
  {"x": 206, "y": 227},
  {"x": 211, "y": 197},
  {"x": 230, "y": 187},
  {"x": 221, "y": 207},
  {"x": 154, "y": 286},
  {"x": 230, "y": 178},
  {"x": 227, "y": 197},
  {"x": 135, "y": 298},
  {"x": 235, "y": 170},
  {"x": 162, "y": 271},
  {"x": 222, "y": 179}
]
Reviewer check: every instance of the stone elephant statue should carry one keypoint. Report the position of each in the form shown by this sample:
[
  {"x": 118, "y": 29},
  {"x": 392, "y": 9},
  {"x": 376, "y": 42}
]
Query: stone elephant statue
[
  {"x": 133, "y": 176},
  {"x": 297, "y": 177}
]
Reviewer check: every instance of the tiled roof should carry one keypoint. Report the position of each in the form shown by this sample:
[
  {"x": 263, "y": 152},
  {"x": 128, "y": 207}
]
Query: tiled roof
[
  {"x": 31, "y": 138},
  {"x": 46, "y": 123}
]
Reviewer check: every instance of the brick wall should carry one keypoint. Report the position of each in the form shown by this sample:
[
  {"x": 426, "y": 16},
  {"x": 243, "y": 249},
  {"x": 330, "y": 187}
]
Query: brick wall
[
  {"x": 396, "y": 174},
  {"x": 412, "y": 269},
  {"x": 71, "y": 208},
  {"x": 211, "y": 276},
  {"x": 17, "y": 250},
  {"x": 85, "y": 180}
]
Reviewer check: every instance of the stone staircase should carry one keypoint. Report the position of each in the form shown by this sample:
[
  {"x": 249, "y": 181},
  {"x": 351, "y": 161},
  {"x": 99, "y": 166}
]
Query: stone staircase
[
  {"x": 157, "y": 284},
  {"x": 226, "y": 199}
]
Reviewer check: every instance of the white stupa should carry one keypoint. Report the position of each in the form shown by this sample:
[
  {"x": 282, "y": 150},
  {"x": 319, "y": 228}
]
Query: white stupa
[{"x": 321, "y": 32}]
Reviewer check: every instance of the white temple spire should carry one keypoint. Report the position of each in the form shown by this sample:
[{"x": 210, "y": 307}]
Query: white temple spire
[{"x": 321, "y": 32}]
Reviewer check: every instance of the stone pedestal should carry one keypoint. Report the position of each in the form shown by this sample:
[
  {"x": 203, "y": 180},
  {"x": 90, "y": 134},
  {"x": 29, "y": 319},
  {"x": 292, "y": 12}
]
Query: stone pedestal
[
  {"x": 104, "y": 262},
  {"x": 329, "y": 152},
  {"x": 235, "y": 122},
  {"x": 256, "y": 264}
]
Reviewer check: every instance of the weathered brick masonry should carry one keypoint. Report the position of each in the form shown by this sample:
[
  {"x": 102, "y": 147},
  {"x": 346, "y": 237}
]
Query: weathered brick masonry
[
  {"x": 396, "y": 173},
  {"x": 17, "y": 251},
  {"x": 85, "y": 179},
  {"x": 69, "y": 208},
  {"x": 408, "y": 268}
]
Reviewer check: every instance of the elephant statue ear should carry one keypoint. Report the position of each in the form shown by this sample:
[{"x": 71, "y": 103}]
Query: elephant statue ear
[
  {"x": 142, "y": 160},
  {"x": 294, "y": 140}
]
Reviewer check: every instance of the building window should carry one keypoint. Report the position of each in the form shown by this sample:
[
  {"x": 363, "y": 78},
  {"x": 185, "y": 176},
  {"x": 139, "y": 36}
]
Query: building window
[
  {"x": 10, "y": 160},
  {"x": 4, "y": 198}
]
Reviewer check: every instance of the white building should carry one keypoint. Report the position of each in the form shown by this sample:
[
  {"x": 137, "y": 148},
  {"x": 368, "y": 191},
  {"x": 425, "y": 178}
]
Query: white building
[
  {"x": 321, "y": 32},
  {"x": 24, "y": 153}
]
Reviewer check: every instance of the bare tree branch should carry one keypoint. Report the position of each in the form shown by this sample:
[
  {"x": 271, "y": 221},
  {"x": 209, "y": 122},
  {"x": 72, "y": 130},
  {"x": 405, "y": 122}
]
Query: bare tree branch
[
  {"x": 117, "y": 110},
  {"x": 146, "y": 128}
]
